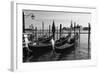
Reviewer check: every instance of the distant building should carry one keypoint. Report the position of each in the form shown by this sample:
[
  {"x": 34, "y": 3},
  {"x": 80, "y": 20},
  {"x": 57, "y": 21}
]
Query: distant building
[{"x": 85, "y": 28}]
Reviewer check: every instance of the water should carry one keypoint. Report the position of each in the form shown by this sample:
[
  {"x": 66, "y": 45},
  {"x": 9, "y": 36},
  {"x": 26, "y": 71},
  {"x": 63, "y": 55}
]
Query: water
[
  {"x": 80, "y": 53},
  {"x": 84, "y": 41}
]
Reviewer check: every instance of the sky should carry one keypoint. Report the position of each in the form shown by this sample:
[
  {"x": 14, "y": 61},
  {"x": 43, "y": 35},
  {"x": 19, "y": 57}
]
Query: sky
[{"x": 59, "y": 17}]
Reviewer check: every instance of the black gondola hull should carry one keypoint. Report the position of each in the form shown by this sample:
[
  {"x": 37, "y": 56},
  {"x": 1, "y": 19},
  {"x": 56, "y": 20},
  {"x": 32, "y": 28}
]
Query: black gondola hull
[
  {"x": 66, "y": 49},
  {"x": 40, "y": 50}
]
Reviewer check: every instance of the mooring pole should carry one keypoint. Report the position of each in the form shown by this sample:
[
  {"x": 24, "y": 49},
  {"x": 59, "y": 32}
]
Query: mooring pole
[
  {"x": 40, "y": 32},
  {"x": 32, "y": 34},
  {"x": 89, "y": 28},
  {"x": 60, "y": 30},
  {"x": 23, "y": 22},
  {"x": 36, "y": 33},
  {"x": 57, "y": 32},
  {"x": 74, "y": 28},
  {"x": 53, "y": 30},
  {"x": 49, "y": 30},
  {"x": 75, "y": 40},
  {"x": 79, "y": 39},
  {"x": 42, "y": 28},
  {"x": 33, "y": 30},
  {"x": 71, "y": 28}
]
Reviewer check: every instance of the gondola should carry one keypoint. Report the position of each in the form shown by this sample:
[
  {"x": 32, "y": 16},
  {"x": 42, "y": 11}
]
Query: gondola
[
  {"x": 40, "y": 49},
  {"x": 45, "y": 40},
  {"x": 66, "y": 46},
  {"x": 64, "y": 50},
  {"x": 62, "y": 41}
]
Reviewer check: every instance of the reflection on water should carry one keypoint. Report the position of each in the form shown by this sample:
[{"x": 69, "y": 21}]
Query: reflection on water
[{"x": 84, "y": 41}]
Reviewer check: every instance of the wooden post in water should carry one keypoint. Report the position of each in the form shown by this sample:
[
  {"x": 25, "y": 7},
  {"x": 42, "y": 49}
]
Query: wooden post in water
[
  {"x": 57, "y": 32},
  {"x": 74, "y": 27},
  {"x": 33, "y": 34},
  {"x": 89, "y": 28},
  {"x": 32, "y": 30},
  {"x": 75, "y": 41},
  {"x": 49, "y": 30},
  {"x": 40, "y": 32},
  {"x": 23, "y": 22},
  {"x": 53, "y": 30},
  {"x": 60, "y": 32},
  {"x": 42, "y": 28},
  {"x": 32, "y": 27},
  {"x": 36, "y": 33},
  {"x": 71, "y": 28},
  {"x": 79, "y": 39}
]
